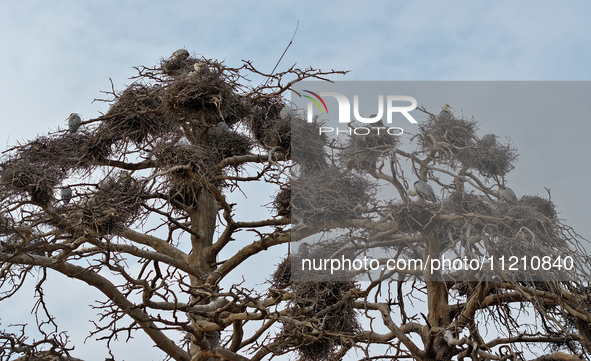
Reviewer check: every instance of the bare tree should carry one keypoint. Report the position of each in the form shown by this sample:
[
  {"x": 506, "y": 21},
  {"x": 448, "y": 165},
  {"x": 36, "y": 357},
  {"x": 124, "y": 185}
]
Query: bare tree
[{"x": 152, "y": 176}]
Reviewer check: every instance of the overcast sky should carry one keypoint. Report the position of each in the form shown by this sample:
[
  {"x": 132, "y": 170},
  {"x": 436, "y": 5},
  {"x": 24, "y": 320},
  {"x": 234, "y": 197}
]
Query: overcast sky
[{"x": 57, "y": 56}]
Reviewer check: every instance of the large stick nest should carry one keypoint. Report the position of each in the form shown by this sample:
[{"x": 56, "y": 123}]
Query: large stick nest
[
  {"x": 414, "y": 216},
  {"x": 329, "y": 194},
  {"x": 447, "y": 137},
  {"x": 268, "y": 127},
  {"x": 116, "y": 203},
  {"x": 207, "y": 94},
  {"x": 308, "y": 144},
  {"x": 136, "y": 114},
  {"x": 28, "y": 173}
]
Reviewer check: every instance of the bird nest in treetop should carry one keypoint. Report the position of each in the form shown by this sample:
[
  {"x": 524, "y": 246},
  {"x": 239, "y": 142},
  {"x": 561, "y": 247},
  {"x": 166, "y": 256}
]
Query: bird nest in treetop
[
  {"x": 69, "y": 150},
  {"x": 268, "y": 127},
  {"x": 221, "y": 144},
  {"x": 497, "y": 160},
  {"x": 323, "y": 311},
  {"x": 329, "y": 194},
  {"x": 414, "y": 216},
  {"x": 461, "y": 203},
  {"x": 33, "y": 175},
  {"x": 447, "y": 136},
  {"x": 307, "y": 144},
  {"x": 207, "y": 94},
  {"x": 184, "y": 161},
  {"x": 282, "y": 202},
  {"x": 136, "y": 114},
  {"x": 363, "y": 151},
  {"x": 116, "y": 203},
  {"x": 525, "y": 219}
]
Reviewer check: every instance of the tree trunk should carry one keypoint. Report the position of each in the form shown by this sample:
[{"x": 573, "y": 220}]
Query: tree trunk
[{"x": 203, "y": 221}]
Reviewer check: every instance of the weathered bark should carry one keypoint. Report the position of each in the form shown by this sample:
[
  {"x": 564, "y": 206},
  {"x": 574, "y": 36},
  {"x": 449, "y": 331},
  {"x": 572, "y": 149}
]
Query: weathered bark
[{"x": 203, "y": 220}]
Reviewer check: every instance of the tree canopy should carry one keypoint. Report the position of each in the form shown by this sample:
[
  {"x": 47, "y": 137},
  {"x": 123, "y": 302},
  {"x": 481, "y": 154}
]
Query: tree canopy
[{"x": 129, "y": 203}]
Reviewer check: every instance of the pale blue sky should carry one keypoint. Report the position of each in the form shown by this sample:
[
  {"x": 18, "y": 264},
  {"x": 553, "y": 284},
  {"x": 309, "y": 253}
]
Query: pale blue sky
[{"x": 58, "y": 55}]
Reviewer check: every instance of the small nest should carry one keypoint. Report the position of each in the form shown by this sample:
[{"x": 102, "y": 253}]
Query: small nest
[
  {"x": 460, "y": 203},
  {"x": 267, "y": 126},
  {"x": 524, "y": 216},
  {"x": 135, "y": 115},
  {"x": 33, "y": 176},
  {"x": 363, "y": 151},
  {"x": 282, "y": 202},
  {"x": 447, "y": 137},
  {"x": 185, "y": 192},
  {"x": 222, "y": 145},
  {"x": 188, "y": 161},
  {"x": 339, "y": 317},
  {"x": 281, "y": 278},
  {"x": 545, "y": 206},
  {"x": 415, "y": 216},
  {"x": 497, "y": 160},
  {"x": 176, "y": 67},
  {"x": 307, "y": 144},
  {"x": 329, "y": 194}
]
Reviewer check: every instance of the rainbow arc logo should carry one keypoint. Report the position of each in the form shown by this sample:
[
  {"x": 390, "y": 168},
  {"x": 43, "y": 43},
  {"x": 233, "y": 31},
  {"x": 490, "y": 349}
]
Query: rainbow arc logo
[{"x": 315, "y": 101}]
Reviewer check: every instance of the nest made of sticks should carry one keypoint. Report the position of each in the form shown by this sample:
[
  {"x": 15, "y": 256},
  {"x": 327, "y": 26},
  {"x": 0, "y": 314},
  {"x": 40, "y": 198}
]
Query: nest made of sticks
[
  {"x": 220, "y": 145},
  {"x": 497, "y": 160},
  {"x": 116, "y": 203},
  {"x": 332, "y": 314},
  {"x": 329, "y": 194},
  {"x": 268, "y": 127},
  {"x": 415, "y": 216},
  {"x": 183, "y": 161},
  {"x": 26, "y": 172},
  {"x": 461, "y": 202},
  {"x": 362, "y": 151},
  {"x": 68, "y": 150},
  {"x": 136, "y": 115},
  {"x": 447, "y": 137},
  {"x": 307, "y": 144},
  {"x": 205, "y": 93},
  {"x": 282, "y": 202}
]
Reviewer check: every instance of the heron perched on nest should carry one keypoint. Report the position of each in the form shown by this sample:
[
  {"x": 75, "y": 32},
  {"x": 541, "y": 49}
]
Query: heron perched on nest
[
  {"x": 424, "y": 191},
  {"x": 180, "y": 54},
  {"x": 304, "y": 250},
  {"x": 507, "y": 194},
  {"x": 66, "y": 194},
  {"x": 286, "y": 113},
  {"x": 74, "y": 122},
  {"x": 221, "y": 128},
  {"x": 445, "y": 113},
  {"x": 488, "y": 140}
]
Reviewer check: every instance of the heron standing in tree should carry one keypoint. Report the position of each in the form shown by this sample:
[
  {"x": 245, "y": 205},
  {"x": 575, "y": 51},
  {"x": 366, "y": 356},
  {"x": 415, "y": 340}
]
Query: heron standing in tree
[
  {"x": 304, "y": 250},
  {"x": 180, "y": 54},
  {"x": 507, "y": 194},
  {"x": 66, "y": 194},
  {"x": 488, "y": 140},
  {"x": 424, "y": 191},
  {"x": 286, "y": 113},
  {"x": 74, "y": 122},
  {"x": 445, "y": 113}
]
